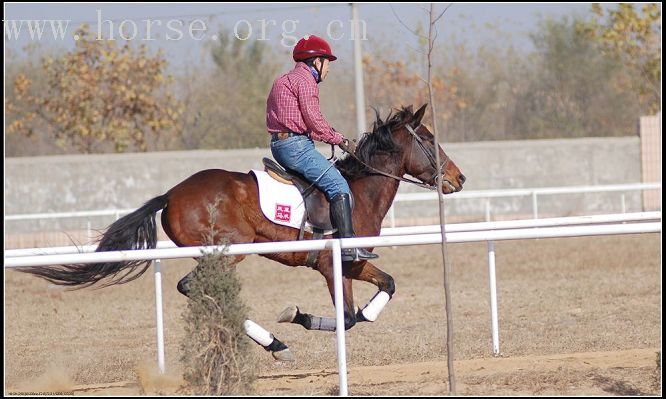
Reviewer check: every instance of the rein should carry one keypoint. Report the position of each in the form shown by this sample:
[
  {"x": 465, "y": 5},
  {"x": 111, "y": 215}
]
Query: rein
[{"x": 425, "y": 150}]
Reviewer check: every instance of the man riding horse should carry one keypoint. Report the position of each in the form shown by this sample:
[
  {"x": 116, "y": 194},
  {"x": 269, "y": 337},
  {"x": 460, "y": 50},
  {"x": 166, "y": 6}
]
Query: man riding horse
[
  {"x": 398, "y": 146},
  {"x": 294, "y": 120}
]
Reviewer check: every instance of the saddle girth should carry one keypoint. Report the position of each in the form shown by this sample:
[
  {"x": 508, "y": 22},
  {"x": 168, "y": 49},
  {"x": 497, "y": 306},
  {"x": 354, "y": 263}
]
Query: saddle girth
[{"x": 317, "y": 234}]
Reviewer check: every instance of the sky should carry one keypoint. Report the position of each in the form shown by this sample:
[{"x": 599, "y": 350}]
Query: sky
[{"x": 183, "y": 30}]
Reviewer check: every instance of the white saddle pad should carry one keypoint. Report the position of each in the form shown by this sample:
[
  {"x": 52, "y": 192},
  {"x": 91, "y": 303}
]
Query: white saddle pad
[{"x": 281, "y": 203}]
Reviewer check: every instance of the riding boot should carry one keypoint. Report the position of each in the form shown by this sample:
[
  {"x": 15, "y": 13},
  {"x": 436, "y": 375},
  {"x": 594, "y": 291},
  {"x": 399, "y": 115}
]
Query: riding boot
[{"x": 341, "y": 217}]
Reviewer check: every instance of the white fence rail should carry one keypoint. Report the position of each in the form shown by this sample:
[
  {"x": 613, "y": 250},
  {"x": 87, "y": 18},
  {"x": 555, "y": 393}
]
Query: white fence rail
[
  {"x": 320, "y": 245},
  {"x": 524, "y": 192},
  {"x": 430, "y": 229},
  {"x": 516, "y": 231},
  {"x": 401, "y": 198},
  {"x": 65, "y": 215}
]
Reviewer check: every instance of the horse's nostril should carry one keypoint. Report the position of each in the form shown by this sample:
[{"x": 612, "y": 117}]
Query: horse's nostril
[{"x": 462, "y": 179}]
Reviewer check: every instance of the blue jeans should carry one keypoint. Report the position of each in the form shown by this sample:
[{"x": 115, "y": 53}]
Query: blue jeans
[{"x": 299, "y": 154}]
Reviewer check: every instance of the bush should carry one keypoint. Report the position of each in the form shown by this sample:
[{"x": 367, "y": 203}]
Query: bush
[{"x": 216, "y": 351}]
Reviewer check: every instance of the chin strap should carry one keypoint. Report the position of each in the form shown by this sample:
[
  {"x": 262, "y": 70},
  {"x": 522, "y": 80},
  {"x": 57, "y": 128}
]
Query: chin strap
[{"x": 316, "y": 73}]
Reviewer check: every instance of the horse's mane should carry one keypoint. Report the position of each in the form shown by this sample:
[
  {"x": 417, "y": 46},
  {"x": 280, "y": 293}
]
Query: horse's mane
[{"x": 379, "y": 141}]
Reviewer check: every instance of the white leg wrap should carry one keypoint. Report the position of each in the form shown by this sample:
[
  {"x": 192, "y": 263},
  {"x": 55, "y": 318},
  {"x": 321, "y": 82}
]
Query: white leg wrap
[
  {"x": 375, "y": 306},
  {"x": 257, "y": 333}
]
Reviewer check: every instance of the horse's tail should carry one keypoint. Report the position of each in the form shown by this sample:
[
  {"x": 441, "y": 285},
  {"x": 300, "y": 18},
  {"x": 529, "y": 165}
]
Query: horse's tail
[{"x": 136, "y": 230}]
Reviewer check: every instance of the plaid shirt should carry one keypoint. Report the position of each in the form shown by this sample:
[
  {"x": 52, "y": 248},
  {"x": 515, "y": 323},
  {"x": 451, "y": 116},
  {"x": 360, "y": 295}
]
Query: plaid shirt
[{"x": 293, "y": 105}]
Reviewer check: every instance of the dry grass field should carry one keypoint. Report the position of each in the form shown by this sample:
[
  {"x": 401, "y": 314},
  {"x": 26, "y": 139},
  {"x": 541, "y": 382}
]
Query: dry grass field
[{"x": 578, "y": 316}]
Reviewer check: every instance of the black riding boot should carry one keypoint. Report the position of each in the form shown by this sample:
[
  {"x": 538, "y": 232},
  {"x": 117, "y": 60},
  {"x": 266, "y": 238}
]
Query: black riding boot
[{"x": 341, "y": 217}]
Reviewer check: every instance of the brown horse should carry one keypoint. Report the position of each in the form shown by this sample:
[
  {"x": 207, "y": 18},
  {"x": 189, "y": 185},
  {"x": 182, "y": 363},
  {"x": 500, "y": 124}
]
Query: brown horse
[{"x": 399, "y": 146}]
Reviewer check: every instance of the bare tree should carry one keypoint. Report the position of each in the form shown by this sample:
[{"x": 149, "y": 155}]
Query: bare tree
[
  {"x": 442, "y": 216},
  {"x": 432, "y": 36}
]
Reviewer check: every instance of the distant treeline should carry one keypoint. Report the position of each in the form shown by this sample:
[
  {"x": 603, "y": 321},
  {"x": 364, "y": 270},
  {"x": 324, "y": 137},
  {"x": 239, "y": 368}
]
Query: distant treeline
[{"x": 587, "y": 76}]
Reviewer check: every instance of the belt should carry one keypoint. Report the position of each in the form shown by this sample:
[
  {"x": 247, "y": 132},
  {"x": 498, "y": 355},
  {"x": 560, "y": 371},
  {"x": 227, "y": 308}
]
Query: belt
[{"x": 286, "y": 135}]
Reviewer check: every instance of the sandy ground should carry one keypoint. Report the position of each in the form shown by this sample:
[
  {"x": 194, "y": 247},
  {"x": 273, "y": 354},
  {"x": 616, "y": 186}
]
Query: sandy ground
[{"x": 577, "y": 317}]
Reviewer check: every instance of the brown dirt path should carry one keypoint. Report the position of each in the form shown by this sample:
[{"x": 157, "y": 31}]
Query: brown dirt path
[{"x": 628, "y": 372}]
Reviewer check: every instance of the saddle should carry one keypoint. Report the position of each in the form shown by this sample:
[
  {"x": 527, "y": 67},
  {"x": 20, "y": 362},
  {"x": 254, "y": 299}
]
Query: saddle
[{"x": 317, "y": 208}]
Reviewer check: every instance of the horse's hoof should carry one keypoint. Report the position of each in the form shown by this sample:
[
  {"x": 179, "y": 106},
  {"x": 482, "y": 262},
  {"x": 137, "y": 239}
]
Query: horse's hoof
[
  {"x": 284, "y": 355},
  {"x": 288, "y": 314}
]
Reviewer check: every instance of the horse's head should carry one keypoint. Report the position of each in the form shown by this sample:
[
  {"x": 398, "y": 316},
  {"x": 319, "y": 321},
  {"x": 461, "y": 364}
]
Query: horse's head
[
  {"x": 402, "y": 145},
  {"x": 418, "y": 145}
]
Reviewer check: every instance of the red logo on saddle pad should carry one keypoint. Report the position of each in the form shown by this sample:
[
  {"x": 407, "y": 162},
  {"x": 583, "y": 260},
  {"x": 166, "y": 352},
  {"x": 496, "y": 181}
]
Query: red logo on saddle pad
[{"x": 283, "y": 213}]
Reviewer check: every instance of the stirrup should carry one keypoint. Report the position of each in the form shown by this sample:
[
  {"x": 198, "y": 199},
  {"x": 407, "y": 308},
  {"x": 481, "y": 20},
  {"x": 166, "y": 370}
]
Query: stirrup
[{"x": 358, "y": 254}]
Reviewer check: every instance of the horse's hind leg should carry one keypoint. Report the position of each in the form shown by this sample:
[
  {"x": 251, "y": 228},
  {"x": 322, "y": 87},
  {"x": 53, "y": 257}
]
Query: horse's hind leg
[
  {"x": 267, "y": 340},
  {"x": 183, "y": 284}
]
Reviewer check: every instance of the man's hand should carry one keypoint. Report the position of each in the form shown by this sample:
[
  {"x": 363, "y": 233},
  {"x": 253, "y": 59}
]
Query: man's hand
[{"x": 348, "y": 146}]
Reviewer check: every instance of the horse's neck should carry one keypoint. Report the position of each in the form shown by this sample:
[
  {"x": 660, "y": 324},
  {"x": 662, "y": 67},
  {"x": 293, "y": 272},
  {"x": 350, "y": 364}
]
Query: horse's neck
[
  {"x": 376, "y": 192},
  {"x": 383, "y": 192}
]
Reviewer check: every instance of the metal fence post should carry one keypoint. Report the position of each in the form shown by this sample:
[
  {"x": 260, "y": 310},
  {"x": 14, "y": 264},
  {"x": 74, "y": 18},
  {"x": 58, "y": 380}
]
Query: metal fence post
[
  {"x": 159, "y": 317},
  {"x": 339, "y": 317}
]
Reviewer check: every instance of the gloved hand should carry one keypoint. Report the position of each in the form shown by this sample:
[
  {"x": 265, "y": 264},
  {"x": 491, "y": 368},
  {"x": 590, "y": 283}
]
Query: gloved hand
[{"x": 348, "y": 146}]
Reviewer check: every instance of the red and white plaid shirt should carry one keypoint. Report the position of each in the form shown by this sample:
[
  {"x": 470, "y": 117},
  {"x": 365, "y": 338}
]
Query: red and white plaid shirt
[{"x": 293, "y": 105}]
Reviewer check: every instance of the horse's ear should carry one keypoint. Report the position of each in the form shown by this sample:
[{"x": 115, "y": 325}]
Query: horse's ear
[{"x": 419, "y": 115}]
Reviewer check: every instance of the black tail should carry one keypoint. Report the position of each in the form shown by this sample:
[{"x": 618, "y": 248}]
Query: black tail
[{"x": 134, "y": 231}]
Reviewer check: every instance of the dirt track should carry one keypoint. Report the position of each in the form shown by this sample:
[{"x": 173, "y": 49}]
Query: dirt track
[
  {"x": 598, "y": 373},
  {"x": 577, "y": 316}
]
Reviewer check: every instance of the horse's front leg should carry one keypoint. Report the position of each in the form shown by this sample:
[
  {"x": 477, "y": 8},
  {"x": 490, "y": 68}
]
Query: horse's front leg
[
  {"x": 366, "y": 271},
  {"x": 292, "y": 314}
]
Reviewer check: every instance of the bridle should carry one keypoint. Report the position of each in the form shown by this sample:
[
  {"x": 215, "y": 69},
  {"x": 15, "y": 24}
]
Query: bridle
[{"x": 427, "y": 153}]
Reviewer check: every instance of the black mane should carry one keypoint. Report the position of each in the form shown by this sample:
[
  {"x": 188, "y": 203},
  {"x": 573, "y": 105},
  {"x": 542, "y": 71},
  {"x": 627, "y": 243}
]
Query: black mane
[{"x": 378, "y": 142}]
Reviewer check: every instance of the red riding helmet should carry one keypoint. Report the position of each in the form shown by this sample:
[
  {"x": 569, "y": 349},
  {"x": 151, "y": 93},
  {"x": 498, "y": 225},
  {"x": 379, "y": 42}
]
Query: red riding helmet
[{"x": 312, "y": 46}]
